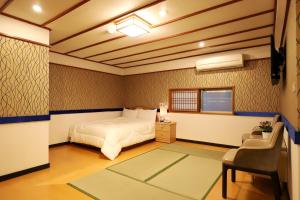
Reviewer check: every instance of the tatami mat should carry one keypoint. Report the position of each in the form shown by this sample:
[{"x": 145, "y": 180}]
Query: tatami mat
[
  {"x": 192, "y": 177},
  {"x": 107, "y": 185},
  {"x": 172, "y": 172},
  {"x": 203, "y": 153},
  {"x": 147, "y": 165}
]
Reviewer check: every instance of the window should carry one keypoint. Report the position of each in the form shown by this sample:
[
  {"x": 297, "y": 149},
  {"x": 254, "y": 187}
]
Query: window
[
  {"x": 184, "y": 100},
  {"x": 207, "y": 100},
  {"x": 217, "y": 100}
]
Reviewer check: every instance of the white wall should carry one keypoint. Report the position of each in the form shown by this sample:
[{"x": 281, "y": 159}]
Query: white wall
[
  {"x": 221, "y": 129},
  {"x": 60, "y": 124},
  {"x": 23, "y": 146}
]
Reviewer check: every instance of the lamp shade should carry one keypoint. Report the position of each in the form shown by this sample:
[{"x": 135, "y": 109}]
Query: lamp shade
[{"x": 163, "y": 109}]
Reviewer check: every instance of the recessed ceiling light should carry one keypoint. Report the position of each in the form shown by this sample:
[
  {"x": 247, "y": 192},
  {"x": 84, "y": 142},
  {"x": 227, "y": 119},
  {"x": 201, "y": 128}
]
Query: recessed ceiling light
[
  {"x": 133, "y": 26},
  {"x": 201, "y": 44},
  {"x": 37, "y": 8},
  {"x": 111, "y": 29},
  {"x": 163, "y": 13}
]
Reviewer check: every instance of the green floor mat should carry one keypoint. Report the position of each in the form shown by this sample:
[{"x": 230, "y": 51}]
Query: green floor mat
[
  {"x": 107, "y": 185},
  {"x": 204, "y": 153},
  {"x": 172, "y": 172},
  {"x": 193, "y": 177},
  {"x": 147, "y": 165}
]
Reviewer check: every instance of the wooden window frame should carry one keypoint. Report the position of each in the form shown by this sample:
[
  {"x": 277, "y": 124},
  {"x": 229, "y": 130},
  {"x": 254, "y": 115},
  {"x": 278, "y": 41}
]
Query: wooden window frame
[
  {"x": 232, "y": 88},
  {"x": 184, "y": 89},
  {"x": 199, "y": 100}
]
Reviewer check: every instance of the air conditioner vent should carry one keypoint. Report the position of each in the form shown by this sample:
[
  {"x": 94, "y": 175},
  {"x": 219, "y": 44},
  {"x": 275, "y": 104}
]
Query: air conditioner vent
[{"x": 220, "y": 62}]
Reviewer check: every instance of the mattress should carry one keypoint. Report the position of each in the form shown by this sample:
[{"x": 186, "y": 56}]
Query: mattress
[{"x": 111, "y": 135}]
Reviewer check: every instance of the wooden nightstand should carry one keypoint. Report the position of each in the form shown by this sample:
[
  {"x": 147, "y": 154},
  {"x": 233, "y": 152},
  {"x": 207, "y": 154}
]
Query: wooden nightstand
[{"x": 165, "y": 132}]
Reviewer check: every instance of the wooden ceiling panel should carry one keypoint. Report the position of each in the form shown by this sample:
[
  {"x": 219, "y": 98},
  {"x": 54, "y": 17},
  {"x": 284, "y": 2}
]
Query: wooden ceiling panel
[
  {"x": 90, "y": 14},
  {"x": 200, "y": 51},
  {"x": 176, "y": 9},
  {"x": 194, "y": 46},
  {"x": 2, "y": 3},
  {"x": 23, "y": 9},
  {"x": 241, "y": 25},
  {"x": 224, "y": 14},
  {"x": 150, "y": 14},
  {"x": 79, "y": 27},
  {"x": 97, "y": 35}
]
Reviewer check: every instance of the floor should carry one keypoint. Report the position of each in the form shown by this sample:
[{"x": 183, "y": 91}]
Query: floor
[{"x": 70, "y": 162}]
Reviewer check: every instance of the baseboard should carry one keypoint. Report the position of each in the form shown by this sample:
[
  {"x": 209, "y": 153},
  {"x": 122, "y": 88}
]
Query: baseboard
[
  {"x": 207, "y": 143},
  {"x": 23, "y": 172},
  {"x": 58, "y": 144}
]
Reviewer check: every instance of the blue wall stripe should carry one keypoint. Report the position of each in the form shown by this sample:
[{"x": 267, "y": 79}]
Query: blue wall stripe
[
  {"x": 7, "y": 120},
  {"x": 256, "y": 114},
  {"x": 60, "y": 112},
  {"x": 293, "y": 133}
]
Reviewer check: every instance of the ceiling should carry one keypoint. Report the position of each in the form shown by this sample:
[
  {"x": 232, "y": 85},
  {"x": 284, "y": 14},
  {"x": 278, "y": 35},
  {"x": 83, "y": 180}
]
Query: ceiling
[{"x": 79, "y": 27}]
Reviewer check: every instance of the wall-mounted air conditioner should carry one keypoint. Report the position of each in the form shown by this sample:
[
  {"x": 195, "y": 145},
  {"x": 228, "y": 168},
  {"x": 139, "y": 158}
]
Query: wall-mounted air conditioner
[{"x": 220, "y": 62}]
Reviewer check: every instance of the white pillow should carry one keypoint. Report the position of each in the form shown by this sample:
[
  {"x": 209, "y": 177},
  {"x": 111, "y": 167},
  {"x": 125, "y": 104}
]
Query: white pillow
[
  {"x": 149, "y": 115},
  {"x": 132, "y": 114}
]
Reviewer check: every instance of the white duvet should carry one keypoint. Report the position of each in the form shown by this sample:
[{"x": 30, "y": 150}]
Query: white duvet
[{"x": 112, "y": 134}]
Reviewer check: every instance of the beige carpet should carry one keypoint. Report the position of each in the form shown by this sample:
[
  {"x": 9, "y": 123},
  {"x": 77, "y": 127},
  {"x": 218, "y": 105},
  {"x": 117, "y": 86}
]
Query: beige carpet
[{"x": 172, "y": 172}]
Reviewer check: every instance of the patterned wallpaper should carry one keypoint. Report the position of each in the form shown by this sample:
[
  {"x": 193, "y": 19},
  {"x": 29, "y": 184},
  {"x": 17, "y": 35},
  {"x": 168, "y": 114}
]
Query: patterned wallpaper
[
  {"x": 24, "y": 78},
  {"x": 253, "y": 89},
  {"x": 74, "y": 89}
]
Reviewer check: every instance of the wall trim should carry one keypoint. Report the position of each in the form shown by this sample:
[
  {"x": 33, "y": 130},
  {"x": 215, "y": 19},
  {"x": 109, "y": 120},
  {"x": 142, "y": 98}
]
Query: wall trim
[
  {"x": 60, "y": 112},
  {"x": 25, "y": 21},
  {"x": 23, "y": 172},
  {"x": 59, "y": 144},
  {"x": 24, "y": 40},
  {"x": 54, "y": 63},
  {"x": 19, "y": 119},
  {"x": 207, "y": 143}
]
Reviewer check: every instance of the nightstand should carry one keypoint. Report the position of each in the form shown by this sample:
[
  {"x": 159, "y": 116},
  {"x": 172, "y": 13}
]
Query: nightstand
[{"x": 165, "y": 132}]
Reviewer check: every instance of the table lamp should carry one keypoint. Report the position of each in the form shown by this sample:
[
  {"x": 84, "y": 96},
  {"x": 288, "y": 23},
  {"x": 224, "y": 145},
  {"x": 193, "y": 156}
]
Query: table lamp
[{"x": 163, "y": 112}]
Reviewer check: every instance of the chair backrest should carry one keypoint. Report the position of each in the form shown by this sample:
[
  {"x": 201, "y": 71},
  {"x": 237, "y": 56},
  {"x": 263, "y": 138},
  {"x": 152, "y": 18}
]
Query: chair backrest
[
  {"x": 276, "y": 135},
  {"x": 262, "y": 157},
  {"x": 276, "y": 119}
]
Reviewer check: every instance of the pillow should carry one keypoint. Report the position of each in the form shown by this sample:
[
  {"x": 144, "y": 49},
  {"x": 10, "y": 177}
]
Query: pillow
[
  {"x": 149, "y": 115},
  {"x": 132, "y": 114}
]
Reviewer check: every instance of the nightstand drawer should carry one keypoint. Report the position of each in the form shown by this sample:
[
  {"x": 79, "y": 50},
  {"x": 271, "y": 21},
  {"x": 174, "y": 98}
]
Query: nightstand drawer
[
  {"x": 162, "y": 134},
  {"x": 163, "y": 127}
]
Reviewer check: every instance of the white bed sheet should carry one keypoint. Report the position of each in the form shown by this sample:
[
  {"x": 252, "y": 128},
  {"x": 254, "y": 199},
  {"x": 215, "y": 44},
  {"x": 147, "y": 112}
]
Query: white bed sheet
[{"x": 112, "y": 134}]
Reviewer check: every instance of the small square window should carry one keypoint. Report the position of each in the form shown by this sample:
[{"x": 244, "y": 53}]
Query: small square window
[
  {"x": 184, "y": 100},
  {"x": 217, "y": 100}
]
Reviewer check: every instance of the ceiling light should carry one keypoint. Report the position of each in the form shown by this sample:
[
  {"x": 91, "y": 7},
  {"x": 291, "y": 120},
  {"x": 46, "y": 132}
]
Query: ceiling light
[
  {"x": 111, "y": 29},
  {"x": 201, "y": 44},
  {"x": 37, "y": 8},
  {"x": 133, "y": 26},
  {"x": 163, "y": 13}
]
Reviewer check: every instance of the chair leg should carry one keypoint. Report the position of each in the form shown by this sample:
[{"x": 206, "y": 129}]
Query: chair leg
[
  {"x": 233, "y": 175},
  {"x": 276, "y": 185},
  {"x": 224, "y": 181}
]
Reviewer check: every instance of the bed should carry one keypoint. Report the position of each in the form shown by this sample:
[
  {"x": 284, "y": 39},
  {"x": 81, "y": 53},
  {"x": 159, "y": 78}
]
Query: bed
[{"x": 111, "y": 135}]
